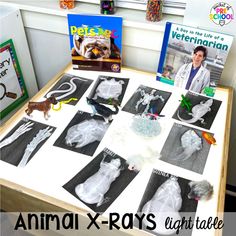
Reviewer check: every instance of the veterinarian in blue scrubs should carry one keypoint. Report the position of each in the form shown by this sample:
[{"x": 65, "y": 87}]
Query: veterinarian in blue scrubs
[{"x": 194, "y": 76}]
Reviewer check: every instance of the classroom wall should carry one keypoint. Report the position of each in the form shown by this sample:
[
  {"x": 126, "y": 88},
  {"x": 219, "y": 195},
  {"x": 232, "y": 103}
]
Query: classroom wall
[
  {"x": 50, "y": 54},
  {"x": 11, "y": 27}
]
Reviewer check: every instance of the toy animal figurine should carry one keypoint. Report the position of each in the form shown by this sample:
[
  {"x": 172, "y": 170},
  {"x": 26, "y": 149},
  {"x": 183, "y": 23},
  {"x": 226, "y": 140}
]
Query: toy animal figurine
[
  {"x": 201, "y": 190},
  {"x": 198, "y": 111},
  {"x": 44, "y": 106},
  {"x": 209, "y": 138},
  {"x": 92, "y": 191},
  {"x": 102, "y": 110},
  {"x": 146, "y": 99},
  {"x": 185, "y": 103},
  {"x": 85, "y": 133},
  {"x": 109, "y": 89},
  {"x": 166, "y": 202}
]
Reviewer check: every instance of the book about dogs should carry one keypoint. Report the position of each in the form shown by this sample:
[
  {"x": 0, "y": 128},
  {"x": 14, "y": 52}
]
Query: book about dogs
[
  {"x": 95, "y": 42},
  {"x": 193, "y": 58}
]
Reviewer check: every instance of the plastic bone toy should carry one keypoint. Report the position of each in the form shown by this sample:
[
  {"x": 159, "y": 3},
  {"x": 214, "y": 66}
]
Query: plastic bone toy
[
  {"x": 86, "y": 132},
  {"x": 190, "y": 143},
  {"x": 109, "y": 89},
  {"x": 92, "y": 191},
  {"x": 146, "y": 99},
  {"x": 198, "y": 111},
  {"x": 166, "y": 202}
]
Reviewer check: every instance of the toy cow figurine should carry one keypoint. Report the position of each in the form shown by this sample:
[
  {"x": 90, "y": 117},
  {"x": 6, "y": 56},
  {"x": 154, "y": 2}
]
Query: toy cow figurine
[{"x": 44, "y": 106}]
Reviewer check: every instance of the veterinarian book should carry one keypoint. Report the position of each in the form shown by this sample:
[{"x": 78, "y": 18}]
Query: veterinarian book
[
  {"x": 95, "y": 42},
  {"x": 193, "y": 58}
]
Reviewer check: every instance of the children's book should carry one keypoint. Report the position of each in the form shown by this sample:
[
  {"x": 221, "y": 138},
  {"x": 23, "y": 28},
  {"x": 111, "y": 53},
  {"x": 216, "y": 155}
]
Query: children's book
[
  {"x": 193, "y": 58},
  {"x": 12, "y": 86},
  {"x": 95, "y": 42}
]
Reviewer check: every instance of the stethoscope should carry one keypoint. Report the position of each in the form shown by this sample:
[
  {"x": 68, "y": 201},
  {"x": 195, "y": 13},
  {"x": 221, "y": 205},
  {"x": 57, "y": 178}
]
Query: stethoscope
[
  {"x": 184, "y": 73},
  {"x": 4, "y": 92}
]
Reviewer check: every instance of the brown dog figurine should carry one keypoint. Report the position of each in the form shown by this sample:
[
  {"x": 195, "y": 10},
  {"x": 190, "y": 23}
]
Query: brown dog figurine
[{"x": 44, "y": 106}]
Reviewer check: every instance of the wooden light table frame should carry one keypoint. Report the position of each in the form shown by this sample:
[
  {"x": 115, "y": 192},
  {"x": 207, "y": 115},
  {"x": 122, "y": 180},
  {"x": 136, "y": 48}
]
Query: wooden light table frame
[{"x": 17, "y": 198}]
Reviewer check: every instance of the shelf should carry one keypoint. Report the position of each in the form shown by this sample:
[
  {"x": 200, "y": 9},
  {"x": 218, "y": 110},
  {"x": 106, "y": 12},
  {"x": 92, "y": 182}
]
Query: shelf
[{"x": 132, "y": 18}]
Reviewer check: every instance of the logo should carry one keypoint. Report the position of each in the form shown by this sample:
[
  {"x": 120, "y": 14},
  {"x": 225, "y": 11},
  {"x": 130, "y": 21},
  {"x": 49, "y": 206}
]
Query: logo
[
  {"x": 221, "y": 13},
  {"x": 115, "y": 67}
]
